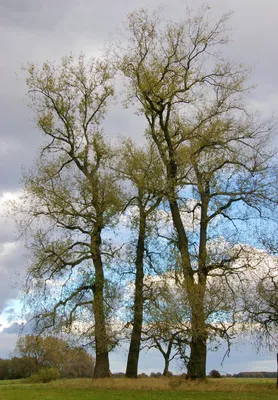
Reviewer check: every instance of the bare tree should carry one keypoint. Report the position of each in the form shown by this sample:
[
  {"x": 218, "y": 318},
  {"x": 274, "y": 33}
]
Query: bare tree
[
  {"x": 166, "y": 323},
  {"x": 259, "y": 294}
]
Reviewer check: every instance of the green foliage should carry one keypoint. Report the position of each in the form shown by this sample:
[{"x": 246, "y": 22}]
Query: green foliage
[
  {"x": 44, "y": 375},
  {"x": 17, "y": 367}
]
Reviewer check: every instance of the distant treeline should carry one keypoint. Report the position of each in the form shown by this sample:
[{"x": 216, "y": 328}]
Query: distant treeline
[{"x": 261, "y": 374}]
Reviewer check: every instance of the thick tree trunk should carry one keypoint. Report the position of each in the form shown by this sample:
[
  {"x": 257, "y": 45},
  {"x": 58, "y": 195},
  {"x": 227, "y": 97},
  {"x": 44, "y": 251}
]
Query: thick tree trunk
[
  {"x": 196, "y": 368},
  {"x": 102, "y": 365},
  {"x": 102, "y": 360},
  {"x": 134, "y": 348}
]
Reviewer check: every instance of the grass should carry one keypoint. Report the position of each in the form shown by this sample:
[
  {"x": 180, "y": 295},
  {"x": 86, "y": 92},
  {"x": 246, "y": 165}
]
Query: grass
[{"x": 143, "y": 389}]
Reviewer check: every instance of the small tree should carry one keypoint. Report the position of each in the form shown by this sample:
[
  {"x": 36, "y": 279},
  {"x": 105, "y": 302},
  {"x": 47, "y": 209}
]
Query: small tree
[
  {"x": 166, "y": 323},
  {"x": 52, "y": 352}
]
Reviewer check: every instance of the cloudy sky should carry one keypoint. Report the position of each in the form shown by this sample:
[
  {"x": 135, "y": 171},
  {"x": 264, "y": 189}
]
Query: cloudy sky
[{"x": 39, "y": 30}]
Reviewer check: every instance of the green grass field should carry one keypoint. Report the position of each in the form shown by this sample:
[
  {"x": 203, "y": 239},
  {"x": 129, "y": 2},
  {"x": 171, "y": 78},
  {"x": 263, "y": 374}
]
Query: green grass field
[{"x": 143, "y": 389}]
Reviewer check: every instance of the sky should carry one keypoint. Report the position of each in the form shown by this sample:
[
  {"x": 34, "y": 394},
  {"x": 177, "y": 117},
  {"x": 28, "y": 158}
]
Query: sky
[{"x": 39, "y": 30}]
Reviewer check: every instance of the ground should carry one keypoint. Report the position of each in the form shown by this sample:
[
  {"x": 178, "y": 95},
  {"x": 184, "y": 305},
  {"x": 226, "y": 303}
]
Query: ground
[{"x": 143, "y": 389}]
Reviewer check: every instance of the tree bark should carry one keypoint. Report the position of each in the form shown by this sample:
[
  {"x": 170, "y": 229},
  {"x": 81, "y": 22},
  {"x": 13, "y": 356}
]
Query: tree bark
[
  {"x": 102, "y": 359},
  {"x": 134, "y": 348},
  {"x": 196, "y": 368},
  {"x": 166, "y": 367}
]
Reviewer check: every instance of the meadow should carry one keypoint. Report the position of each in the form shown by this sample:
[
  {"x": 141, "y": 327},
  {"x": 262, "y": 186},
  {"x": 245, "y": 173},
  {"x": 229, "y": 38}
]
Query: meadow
[{"x": 173, "y": 388}]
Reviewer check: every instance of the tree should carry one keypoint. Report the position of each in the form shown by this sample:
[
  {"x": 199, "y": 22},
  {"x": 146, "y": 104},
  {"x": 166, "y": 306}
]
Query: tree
[
  {"x": 266, "y": 313},
  {"x": 166, "y": 322},
  {"x": 167, "y": 317},
  {"x": 215, "y": 154},
  {"x": 53, "y": 352},
  {"x": 143, "y": 170},
  {"x": 259, "y": 293},
  {"x": 4, "y": 369},
  {"x": 72, "y": 196}
]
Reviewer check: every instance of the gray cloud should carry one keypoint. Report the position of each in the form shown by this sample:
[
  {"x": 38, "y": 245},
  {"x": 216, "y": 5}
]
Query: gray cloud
[
  {"x": 32, "y": 15},
  {"x": 38, "y": 31},
  {"x": 14, "y": 328},
  {"x": 11, "y": 272},
  {"x": 7, "y": 344},
  {"x": 10, "y": 311}
]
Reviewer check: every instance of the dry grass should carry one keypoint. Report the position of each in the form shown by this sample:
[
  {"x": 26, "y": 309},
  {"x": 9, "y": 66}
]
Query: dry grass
[{"x": 172, "y": 384}]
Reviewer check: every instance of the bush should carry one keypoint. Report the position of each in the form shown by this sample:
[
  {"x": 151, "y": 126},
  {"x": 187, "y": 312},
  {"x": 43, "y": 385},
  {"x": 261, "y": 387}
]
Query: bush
[
  {"x": 155, "y": 374},
  {"x": 44, "y": 375},
  {"x": 118, "y": 375},
  {"x": 143, "y": 375},
  {"x": 215, "y": 374}
]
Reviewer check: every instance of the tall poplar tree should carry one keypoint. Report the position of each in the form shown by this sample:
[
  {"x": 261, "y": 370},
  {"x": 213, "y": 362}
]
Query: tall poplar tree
[{"x": 72, "y": 196}]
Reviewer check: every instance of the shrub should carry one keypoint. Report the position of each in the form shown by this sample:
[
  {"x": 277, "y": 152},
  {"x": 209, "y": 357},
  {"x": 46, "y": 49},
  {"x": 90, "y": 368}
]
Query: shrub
[
  {"x": 143, "y": 375},
  {"x": 45, "y": 375},
  {"x": 215, "y": 374},
  {"x": 155, "y": 374},
  {"x": 118, "y": 375}
]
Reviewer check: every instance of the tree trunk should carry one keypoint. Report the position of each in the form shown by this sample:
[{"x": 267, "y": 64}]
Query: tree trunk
[
  {"x": 182, "y": 240},
  {"x": 134, "y": 348},
  {"x": 166, "y": 367},
  {"x": 102, "y": 360},
  {"x": 102, "y": 365},
  {"x": 195, "y": 291},
  {"x": 196, "y": 367}
]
